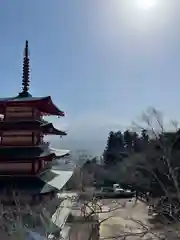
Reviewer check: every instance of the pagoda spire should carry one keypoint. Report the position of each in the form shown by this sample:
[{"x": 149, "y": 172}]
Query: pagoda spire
[{"x": 25, "y": 77}]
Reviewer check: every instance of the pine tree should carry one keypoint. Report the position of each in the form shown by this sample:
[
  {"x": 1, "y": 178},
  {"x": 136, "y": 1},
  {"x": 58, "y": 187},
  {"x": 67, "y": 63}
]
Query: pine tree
[
  {"x": 109, "y": 148},
  {"x": 128, "y": 140},
  {"x": 144, "y": 139},
  {"x": 119, "y": 141},
  {"x": 115, "y": 144},
  {"x": 135, "y": 142},
  {"x": 144, "y": 136}
]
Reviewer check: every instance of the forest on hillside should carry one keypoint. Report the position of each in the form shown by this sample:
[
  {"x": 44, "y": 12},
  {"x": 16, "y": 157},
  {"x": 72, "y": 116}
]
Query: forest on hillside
[{"x": 147, "y": 160}]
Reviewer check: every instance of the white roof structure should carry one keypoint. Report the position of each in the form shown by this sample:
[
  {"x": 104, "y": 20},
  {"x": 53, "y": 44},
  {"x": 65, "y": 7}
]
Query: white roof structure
[
  {"x": 55, "y": 178},
  {"x": 60, "y": 152},
  {"x": 56, "y": 223}
]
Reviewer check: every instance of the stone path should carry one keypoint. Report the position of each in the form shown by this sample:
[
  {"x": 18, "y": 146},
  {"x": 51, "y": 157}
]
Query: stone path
[{"x": 124, "y": 220}]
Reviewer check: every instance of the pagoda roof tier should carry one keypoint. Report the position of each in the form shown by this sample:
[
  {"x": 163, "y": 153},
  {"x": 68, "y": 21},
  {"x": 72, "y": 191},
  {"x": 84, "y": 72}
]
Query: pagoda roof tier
[
  {"x": 25, "y": 153},
  {"x": 47, "y": 128},
  {"x": 60, "y": 152},
  {"x": 50, "y": 181},
  {"x": 32, "y": 185},
  {"x": 44, "y": 104}
]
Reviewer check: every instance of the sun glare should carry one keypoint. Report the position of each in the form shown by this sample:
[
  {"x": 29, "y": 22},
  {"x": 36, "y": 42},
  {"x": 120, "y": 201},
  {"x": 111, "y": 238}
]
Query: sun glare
[{"x": 146, "y": 4}]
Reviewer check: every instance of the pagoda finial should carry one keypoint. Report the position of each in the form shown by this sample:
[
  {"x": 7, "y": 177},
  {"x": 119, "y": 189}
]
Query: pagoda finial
[{"x": 25, "y": 77}]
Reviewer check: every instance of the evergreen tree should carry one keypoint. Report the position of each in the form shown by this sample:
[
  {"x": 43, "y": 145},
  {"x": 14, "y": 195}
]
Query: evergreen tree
[
  {"x": 144, "y": 135},
  {"x": 128, "y": 140},
  {"x": 136, "y": 142},
  {"x": 115, "y": 145},
  {"x": 144, "y": 139},
  {"x": 109, "y": 148},
  {"x": 119, "y": 141}
]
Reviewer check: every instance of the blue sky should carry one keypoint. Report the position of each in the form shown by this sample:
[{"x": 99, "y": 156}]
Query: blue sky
[{"x": 102, "y": 61}]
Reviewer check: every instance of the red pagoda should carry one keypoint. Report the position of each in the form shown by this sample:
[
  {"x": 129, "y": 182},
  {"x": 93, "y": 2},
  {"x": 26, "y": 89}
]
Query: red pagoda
[{"x": 25, "y": 158}]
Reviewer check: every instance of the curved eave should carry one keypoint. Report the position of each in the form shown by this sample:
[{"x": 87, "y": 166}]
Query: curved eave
[
  {"x": 47, "y": 182},
  {"x": 60, "y": 152},
  {"x": 27, "y": 153},
  {"x": 49, "y": 157},
  {"x": 48, "y": 128},
  {"x": 55, "y": 132},
  {"x": 44, "y": 104},
  {"x": 49, "y": 108}
]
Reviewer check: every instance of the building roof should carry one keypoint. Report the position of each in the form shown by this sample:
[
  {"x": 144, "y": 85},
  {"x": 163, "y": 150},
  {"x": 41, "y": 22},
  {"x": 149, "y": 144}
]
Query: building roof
[
  {"x": 49, "y": 181},
  {"x": 47, "y": 128},
  {"x": 32, "y": 185},
  {"x": 24, "y": 153},
  {"x": 60, "y": 152},
  {"x": 56, "y": 178},
  {"x": 20, "y": 124},
  {"x": 43, "y": 104}
]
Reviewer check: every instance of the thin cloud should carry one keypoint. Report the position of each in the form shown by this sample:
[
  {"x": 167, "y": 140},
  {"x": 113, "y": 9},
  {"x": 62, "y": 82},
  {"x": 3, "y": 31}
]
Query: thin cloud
[{"x": 93, "y": 125}]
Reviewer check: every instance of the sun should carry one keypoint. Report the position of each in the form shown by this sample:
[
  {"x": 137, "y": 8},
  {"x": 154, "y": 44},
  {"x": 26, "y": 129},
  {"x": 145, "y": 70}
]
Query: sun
[{"x": 146, "y": 4}]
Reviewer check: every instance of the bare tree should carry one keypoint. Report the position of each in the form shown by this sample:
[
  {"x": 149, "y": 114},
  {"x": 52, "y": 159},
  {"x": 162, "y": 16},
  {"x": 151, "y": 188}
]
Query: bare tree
[
  {"x": 91, "y": 208},
  {"x": 19, "y": 218},
  {"x": 169, "y": 203}
]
